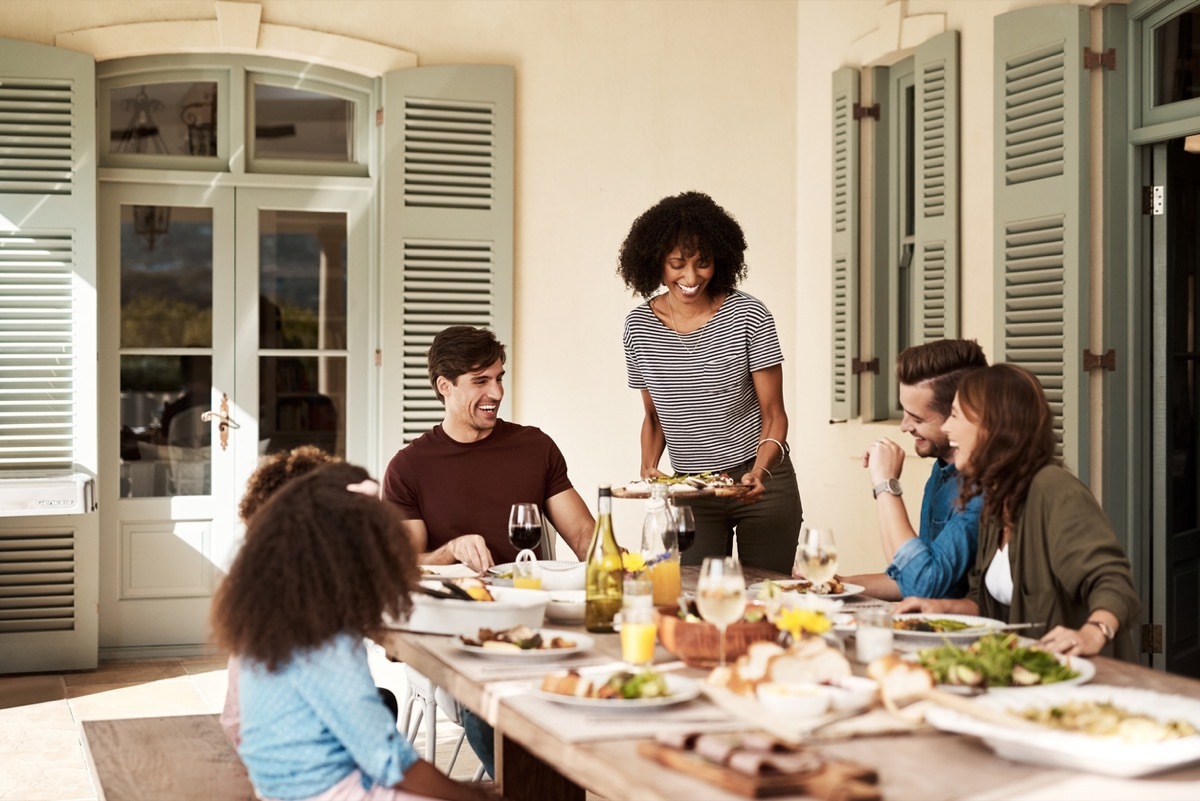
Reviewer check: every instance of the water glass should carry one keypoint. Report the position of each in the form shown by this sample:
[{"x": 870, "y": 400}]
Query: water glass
[{"x": 873, "y": 634}]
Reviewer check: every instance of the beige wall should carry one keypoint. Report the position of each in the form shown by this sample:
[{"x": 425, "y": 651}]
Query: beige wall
[{"x": 620, "y": 103}]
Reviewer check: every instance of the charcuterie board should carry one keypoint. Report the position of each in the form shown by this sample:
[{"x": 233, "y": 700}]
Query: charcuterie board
[
  {"x": 680, "y": 492},
  {"x": 829, "y": 779}
]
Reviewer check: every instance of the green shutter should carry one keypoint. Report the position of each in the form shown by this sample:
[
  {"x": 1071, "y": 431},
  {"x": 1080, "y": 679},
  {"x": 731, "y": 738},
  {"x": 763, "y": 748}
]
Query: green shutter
[
  {"x": 49, "y": 566},
  {"x": 1041, "y": 191},
  {"x": 844, "y": 402},
  {"x": 935, "y": 256},
  {"x": 447, "y": 212}
]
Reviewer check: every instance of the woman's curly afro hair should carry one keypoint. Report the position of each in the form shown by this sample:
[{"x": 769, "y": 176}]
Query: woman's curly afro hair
[{"x": 693, "y": 223}]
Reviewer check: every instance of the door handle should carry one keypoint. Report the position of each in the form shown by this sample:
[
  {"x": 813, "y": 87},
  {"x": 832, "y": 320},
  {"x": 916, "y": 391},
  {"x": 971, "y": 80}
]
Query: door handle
[{"x": 226, "y": 422}]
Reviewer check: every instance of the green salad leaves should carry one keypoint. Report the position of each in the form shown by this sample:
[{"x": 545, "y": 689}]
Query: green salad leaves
[{"x": 994, "y": 660}]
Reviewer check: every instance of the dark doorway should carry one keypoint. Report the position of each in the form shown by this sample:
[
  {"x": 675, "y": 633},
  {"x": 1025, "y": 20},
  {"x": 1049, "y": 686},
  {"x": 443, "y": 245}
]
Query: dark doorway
[{"x": 1177, "y": 396}]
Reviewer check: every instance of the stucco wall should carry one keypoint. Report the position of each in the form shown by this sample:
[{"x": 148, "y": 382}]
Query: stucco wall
[{"x": 620, "y": 103}]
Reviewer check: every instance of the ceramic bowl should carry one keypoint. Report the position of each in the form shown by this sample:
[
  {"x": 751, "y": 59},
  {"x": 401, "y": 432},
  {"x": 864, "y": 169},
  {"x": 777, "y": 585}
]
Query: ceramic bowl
[
  {"x": 512, "y": 607},
  {"x": 794, "y": 700},
  {"x": 557, "y": 576},
  {"x": 852, "y": 693},
  {"x": 696, "y": 642},
  {"x": 567, "y": 606}
]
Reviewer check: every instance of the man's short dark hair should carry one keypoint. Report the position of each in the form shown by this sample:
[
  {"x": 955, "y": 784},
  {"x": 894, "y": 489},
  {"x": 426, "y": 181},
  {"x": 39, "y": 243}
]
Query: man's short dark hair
[
  {"x": 461, "y": 349},
  {"x": 940, "y": 364}
]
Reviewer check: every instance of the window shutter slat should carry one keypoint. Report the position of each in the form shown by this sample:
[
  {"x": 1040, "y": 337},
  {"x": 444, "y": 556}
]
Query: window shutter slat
[
  {"x": 1041, "y": 110},
  {"x": 935, "y": 256},
  {"x": 844, "y": 385},
  {"x": 452, "y": 245}
]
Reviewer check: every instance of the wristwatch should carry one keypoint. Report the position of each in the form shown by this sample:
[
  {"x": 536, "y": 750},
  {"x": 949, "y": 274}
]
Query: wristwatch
[
  {"x": 891, "y": 486},
  {"x": 1105, "y": 629}
]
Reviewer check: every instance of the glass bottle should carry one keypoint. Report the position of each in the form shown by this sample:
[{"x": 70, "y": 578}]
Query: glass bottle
[
  {"x": 604, "y": 571},
  {"x": 659, "y": 545}
]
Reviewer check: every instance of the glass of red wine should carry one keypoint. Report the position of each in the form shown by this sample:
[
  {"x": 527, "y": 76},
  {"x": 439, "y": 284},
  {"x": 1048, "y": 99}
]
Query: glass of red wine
[
  {"x": 524, "y": 526},
  {"x": 684, "y": 524}
]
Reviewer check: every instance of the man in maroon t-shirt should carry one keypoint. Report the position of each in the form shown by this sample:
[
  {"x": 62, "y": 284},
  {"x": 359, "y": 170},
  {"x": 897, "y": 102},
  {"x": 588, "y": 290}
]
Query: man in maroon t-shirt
[{"x": 455, "y": 484}]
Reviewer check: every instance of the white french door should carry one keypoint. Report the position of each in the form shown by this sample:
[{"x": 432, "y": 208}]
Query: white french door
[{"x": 233, "y": 324}]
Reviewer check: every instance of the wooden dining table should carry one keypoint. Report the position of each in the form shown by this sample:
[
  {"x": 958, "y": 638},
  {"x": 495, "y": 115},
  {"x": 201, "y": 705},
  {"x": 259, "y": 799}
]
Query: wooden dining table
[{"x": 544, "y": 750}]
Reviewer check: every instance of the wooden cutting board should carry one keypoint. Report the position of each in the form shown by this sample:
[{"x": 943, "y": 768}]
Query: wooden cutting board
[
  {"x": 679, "y": 497},
  {"x": 837, "y": 780}
]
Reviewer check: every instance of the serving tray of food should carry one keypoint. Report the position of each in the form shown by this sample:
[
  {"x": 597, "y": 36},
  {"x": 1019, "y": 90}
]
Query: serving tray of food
[{"x": 684, "y": 485}]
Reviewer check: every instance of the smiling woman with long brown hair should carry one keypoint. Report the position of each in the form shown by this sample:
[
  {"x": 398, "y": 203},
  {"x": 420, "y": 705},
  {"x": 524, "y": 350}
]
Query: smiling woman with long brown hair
[
  {"x": 1047, "y": 553},
  {"x": 323, "y": 561}
]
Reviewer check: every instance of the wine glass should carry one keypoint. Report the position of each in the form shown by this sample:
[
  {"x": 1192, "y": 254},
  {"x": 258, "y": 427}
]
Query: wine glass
[
  {"x": 816, "y": 555},
  {"x": 683, "y": 522},
  {"x": 524, "y": 526},
  {"x": 721, "y": 596}
]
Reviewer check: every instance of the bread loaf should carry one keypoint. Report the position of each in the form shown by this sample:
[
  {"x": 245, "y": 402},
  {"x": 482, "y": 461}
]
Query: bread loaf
[{"x": 809, "y": 660}]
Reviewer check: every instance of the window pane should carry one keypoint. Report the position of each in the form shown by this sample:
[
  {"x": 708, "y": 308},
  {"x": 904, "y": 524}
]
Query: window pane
[
  {"x": 175, "y": 119},
  {"x": 166, "y": 276},
  {"x": 1177, "y": 59},
  {"x": 165, "y": 446},
  {"x": 298, "y": 125},
  {"x": 302, "y": 279},
  {"x": 303, "y": 400}
]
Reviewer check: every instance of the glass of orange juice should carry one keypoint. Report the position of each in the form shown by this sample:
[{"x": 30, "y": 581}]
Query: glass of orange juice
[
  {"x": 665, "y": 576},
  {"x": 638, "y": 635},
  {"x": 527, "y": 574}
]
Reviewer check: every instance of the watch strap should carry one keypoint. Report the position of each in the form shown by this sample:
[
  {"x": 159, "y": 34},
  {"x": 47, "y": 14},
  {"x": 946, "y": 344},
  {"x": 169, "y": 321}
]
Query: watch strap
[
  {"x": 1105, "y": 629},
  {"x": 891, "y": 487}
]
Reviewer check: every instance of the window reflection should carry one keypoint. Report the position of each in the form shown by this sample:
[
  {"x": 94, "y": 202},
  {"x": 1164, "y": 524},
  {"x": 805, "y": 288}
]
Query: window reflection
[
  {"x": 166, "y": 278},
  {"x": 171, "y": 119},
  {"x": 1177, "y": 58},
  {"x": 299, "y": 125},
  {"x": 165, "y": 445}
]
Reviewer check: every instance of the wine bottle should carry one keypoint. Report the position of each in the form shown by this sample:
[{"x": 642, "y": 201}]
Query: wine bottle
[{"x": 604, "y": 571}]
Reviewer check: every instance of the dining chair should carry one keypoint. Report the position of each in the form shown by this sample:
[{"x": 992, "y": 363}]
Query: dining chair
[{"x": 421, "y": 705}]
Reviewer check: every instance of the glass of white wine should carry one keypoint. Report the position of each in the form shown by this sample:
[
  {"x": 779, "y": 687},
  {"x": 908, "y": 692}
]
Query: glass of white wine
[
  {"x": 816, "y": 555},
  {"x": 721, "y": 596}
]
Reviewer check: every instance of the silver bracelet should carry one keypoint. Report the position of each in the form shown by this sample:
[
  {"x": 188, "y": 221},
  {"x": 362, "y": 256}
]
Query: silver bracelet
[
  {"x": 765, "y": 470},
  {"x": 782, "y": 448}
]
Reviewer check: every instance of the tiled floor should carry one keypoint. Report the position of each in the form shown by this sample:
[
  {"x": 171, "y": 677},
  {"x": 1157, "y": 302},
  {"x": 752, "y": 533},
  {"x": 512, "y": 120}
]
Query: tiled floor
[{"x": 41, "y": 758}]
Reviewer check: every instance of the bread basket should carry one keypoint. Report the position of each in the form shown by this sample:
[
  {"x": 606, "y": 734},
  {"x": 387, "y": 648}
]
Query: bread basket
[{"x": 696, "y": 642}]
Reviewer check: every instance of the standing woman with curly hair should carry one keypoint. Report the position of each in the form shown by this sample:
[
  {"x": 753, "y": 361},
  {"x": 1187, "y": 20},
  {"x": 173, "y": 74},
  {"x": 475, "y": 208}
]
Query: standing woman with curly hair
[
  {"x": 323, "y": 561},
  {"x": 1047, "y": 554},
  {"x": 706, "y": 358}
]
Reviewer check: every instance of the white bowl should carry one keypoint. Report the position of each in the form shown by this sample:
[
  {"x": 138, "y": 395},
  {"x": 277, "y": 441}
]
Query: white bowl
[
  {"x": 794, "y": 700},
  {"x": 852, "y": 693},
  {"x": 567, "y": 606},
  {"x": 557, "y": 576},
  {"x": 512, "y": 607}
]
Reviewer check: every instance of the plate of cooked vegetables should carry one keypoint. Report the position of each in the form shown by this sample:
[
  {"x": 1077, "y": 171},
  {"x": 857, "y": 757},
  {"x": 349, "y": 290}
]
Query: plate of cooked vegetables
[
  {"x": 923, "y": 629},
  {"x": 623, "y": 689},
  {"x": 524, "y": 642},
  {"x": 1000, "y": 661},
  {"x": 1118, "y": 731}
]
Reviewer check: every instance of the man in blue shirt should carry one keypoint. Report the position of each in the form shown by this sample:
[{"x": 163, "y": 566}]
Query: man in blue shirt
[{"x": 934, "y": 562}]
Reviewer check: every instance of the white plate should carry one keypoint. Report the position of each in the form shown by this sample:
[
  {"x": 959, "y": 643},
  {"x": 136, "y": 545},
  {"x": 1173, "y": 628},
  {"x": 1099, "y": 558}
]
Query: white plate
[
  {"x": 850, "y": 589},
  {"x": 682, "y": 689},
  {"x": 1074, "y": 751},
  {"x": 507, "y": 567},
  {"x": 582, "y": 643},
  {"x": 978, "y": 626},
  {"x": 1084, "y": 667}
]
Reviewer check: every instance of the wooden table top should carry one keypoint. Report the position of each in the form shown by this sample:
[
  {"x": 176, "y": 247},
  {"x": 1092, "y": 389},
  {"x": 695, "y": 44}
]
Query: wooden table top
[{"x": 927, "y": 766}]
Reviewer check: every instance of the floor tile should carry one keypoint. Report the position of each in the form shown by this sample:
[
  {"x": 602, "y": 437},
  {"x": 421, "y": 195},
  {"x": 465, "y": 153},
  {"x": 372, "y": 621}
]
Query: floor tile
[
  {"x": 174, "y": 696},
  {"x": 48, "y": 716},
  {"x": 25, "y": 690},
  {"x": 126, "y": 672}
]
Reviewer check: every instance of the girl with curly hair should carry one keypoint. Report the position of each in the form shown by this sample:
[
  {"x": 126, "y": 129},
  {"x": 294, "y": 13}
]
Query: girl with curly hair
[
  {"x": 1046, "y": 551},
  {"x": 323, "y": 561},
  {"x": 707, "y": 361}
]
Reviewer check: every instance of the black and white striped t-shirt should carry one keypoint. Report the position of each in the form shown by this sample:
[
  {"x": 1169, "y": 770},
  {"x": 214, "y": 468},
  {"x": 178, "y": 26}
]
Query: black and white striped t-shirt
[{"x": 703, "y": 393}]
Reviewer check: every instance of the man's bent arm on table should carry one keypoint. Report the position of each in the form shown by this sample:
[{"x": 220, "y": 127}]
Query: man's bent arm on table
[{"x": 566, "y": 510}]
